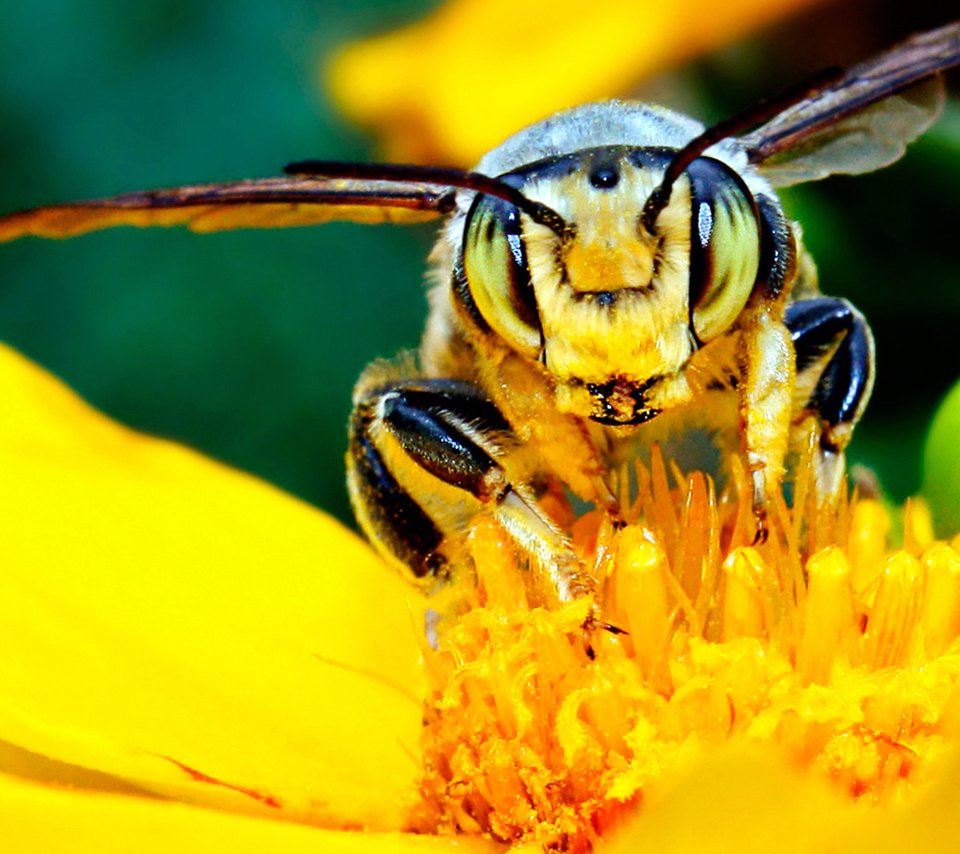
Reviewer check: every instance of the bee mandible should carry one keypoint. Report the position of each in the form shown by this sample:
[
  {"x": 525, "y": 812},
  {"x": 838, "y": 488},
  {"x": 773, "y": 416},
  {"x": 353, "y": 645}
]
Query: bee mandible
[{"x": 602, "y": 276}]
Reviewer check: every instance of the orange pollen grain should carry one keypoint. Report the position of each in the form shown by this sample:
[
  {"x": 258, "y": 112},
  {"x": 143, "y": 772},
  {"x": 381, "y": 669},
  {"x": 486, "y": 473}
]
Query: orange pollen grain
[{"x": 546, "y": 726}]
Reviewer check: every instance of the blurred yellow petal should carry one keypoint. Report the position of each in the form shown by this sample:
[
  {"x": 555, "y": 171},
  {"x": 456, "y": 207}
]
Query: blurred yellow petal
[
  {"x": 192, "y": 630},
  {"x": 930, "y": 823},
  {"x": 743, "y": 801},
  {"x": 36, "y": 818},
  {"x": 452, "y": 86},
  {"x": 746, "y": 801}
]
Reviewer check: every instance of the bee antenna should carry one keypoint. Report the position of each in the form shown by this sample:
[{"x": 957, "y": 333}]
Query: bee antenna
[
  {"x": 734, "y": 126},
  {"x": 439, "y": 175}
]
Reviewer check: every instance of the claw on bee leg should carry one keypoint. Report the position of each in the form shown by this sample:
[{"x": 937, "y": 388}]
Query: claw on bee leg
[
  {"x": 592, "y": 624},
  {"x": 615, "y": 515},
  {"x": 762, "y": 529},
  {"x": 760, "y": 519},
  {"x": 617, "y": 520},
  {"x": 611, "y": 505}
]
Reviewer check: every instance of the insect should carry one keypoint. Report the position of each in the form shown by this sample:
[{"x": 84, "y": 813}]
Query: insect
[{"x": 602, "y": 277}]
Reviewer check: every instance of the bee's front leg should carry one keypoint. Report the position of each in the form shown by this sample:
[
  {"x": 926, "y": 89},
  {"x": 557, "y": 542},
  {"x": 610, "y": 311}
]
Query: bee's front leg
[
  {"x": 834, "y": 350},
  {"x": 426, "y": 457},
  {"x": 766, "y": 400}
]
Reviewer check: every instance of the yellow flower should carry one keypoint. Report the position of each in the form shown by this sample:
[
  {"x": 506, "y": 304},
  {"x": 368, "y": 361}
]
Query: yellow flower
[
  {"x": 192, "y": 660},
  {"x": 450, "y": 87}
]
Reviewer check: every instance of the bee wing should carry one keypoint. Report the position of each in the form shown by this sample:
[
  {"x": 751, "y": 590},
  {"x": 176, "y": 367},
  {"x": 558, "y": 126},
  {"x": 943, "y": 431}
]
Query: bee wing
[
  {"x": 862, "y": 121},
  {"x": 264, "y": 203}
]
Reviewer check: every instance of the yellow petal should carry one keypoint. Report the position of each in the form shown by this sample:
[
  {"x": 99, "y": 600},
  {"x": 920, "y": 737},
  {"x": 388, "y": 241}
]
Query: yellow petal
[
  {"x": 739, "y": 800},
  {"x": 191, "y": 629},
  {"x": 37, "y": 818},
  {"x": 452, "y": 86},
  {"x": 749, "y": 800},
  {"x": 929, "y": 824}
]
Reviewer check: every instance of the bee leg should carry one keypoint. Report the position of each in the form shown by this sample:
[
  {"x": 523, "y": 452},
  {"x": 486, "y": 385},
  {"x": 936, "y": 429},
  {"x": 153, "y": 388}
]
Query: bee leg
[
  {"x": 767, "y": 361},
  {"x": 426, "y": 457},
  {"x": 834, "y": 352},
  {"x": 563, "y": 444}
]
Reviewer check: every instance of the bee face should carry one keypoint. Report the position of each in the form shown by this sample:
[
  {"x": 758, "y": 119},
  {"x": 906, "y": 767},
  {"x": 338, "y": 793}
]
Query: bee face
[{"x": 611, "y": 306}]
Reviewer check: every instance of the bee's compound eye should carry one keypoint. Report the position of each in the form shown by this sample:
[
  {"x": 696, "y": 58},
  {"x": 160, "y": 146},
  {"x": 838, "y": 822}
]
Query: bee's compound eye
[
  {"x": 725, "y": 246},
  {"x": 495, "y": 266}
]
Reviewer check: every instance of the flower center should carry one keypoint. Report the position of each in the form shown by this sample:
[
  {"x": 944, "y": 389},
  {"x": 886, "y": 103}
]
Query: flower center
[{"x": 548, "y": 725}]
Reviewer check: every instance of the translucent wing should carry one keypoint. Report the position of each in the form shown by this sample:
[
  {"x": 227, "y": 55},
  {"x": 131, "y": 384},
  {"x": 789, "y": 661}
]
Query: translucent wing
[
  {"x": 265, "y": 203},
  {"x": 861, "y": 121}
]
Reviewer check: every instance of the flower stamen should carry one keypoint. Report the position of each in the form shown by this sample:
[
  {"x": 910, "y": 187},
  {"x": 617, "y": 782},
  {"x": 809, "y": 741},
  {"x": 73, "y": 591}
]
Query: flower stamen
[{"x": 823, "y": 643}]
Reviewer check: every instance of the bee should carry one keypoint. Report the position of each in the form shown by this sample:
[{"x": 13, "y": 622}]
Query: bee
[{"x": 604, "y": 276}]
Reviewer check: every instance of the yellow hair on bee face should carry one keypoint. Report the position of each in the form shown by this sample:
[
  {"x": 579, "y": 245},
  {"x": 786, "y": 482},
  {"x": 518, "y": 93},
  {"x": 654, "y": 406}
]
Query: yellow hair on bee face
[{"x": 612, "y": 298}]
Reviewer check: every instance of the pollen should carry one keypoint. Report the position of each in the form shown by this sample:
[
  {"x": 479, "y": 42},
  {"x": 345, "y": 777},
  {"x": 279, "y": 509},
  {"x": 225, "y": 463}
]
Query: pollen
[{"x": 549, "y": 724}]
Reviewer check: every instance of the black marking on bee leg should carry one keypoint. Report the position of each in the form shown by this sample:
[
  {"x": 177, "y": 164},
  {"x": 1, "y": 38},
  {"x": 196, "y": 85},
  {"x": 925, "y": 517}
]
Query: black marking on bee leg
[
  {"x": 393, "y": 520},
  {"x": 445, "y": 445},
  {"x": 437, "y": 434},
  {"x": 834, "y": 345},
  {"x": 835, "y": 368}
]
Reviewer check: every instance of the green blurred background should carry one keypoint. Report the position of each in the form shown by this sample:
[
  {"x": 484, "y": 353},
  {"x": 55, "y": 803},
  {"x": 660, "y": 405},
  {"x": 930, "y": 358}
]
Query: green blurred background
[{"x": 246, "y": 344}]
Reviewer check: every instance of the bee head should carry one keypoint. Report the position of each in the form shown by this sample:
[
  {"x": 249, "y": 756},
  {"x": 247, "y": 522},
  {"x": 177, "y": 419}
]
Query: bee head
[{"x": 615, "y": 299}]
